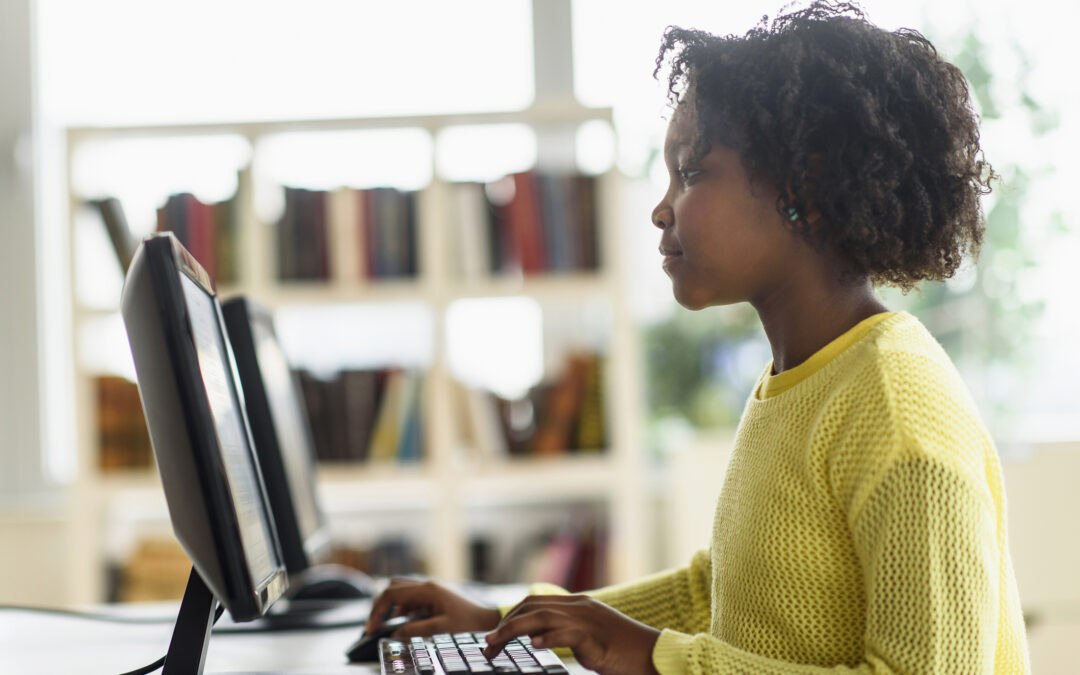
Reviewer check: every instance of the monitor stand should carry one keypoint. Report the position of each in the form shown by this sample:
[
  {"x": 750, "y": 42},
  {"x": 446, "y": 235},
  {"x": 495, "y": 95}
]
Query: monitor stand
[{"x": 191, "y": 634}]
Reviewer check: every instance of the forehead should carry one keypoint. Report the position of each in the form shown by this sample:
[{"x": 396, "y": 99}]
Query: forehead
[{"x": 682, "y": 131}]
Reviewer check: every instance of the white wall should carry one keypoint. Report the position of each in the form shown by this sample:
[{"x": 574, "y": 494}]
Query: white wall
[{"x": 20, "y": 425}]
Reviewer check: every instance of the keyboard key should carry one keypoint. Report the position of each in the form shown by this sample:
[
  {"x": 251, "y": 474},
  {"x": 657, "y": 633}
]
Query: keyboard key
[{"x": 546, "y": 657}]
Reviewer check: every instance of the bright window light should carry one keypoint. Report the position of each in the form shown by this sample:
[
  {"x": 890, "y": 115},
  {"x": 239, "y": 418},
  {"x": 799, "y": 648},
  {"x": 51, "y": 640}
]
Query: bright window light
[
  {"x": 496, "y": 344},
  {"x": 484, "y": 152},
  {"x": 129, "y": 61},
  {"x": 328, "y": 338}
]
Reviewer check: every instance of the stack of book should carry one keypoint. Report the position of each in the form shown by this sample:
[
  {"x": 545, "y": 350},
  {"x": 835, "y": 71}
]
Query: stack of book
[
  {"x": 123, "y": 439},
  {"x": 365, "y": 415},
  {"x": 348, "y": 235},
  {"x": 388, "y": 557},
  {"x": 529, "y": 223},
  {"x": 565, "y": 415},
  {"x": 157, "y": 569},
  {"x": 208, "y": 230},
  {"x": 573, "y": 556}
]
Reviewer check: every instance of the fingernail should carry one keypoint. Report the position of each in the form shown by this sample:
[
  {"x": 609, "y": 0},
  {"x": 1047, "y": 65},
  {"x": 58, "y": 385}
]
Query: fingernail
[{"x": 538, "y": 641}]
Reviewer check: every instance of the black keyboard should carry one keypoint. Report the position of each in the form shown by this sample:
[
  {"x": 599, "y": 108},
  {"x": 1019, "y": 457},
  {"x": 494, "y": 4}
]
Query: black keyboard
[{"x": 462, "y": 653}]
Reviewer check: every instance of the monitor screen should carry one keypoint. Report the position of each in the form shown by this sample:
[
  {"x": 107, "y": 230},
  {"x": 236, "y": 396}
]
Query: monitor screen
[
  {"x": 281, "y": 431},
  {"x": 198, "y": 428},
  {"x": 236, "y": 449}
]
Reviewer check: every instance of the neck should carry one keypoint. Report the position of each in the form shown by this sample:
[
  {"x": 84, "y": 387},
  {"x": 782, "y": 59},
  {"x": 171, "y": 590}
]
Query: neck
[{"x": 800, "y": 319}]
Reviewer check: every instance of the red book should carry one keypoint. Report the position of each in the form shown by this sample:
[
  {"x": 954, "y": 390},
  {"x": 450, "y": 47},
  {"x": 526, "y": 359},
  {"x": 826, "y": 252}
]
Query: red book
[
  {"x": 525, "y": 224},
  {"x": 203, "y": 232}
]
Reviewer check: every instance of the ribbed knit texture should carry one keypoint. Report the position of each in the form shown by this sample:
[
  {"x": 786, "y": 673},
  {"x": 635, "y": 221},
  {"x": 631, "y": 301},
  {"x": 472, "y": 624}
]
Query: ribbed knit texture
[{"x": 860, "y": 527}]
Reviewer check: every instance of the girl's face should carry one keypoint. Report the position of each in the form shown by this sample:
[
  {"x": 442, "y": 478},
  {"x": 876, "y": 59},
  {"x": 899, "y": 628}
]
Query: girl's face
[{"x": 722, "y": 239}]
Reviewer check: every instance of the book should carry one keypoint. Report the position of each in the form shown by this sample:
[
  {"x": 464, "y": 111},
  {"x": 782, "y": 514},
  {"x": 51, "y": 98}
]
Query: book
[
  {"x": 386, "y": 436},
  {"x": 584, "y": 200},
  {"x": 411, "y": 444},
  {"x": 286, "y": 239},
  {"x": 469, "y": 231},
  {"x": 157, "y": 569},
  {"x": 525, "y": 224},
  {"x": 560, "y": 410},
  {"x": 226, "y": 215},
  {"x": 344, "y": 229},
  {"x": 123, "y": 437},
  {"x": 314, "y": 394},
  {"x": 590, "y": 432},
  {"x": 482, "y": 425},
  {"x": 116, "y": 226},
  {"x": 361, "y": 390}
]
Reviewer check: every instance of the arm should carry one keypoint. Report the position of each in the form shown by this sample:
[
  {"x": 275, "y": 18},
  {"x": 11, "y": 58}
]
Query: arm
[{"x": 678, "y": 599}]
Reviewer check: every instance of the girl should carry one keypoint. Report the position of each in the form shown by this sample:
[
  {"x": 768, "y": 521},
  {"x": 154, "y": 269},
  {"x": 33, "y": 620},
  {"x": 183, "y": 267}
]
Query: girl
[{"x": 861, "y": 524}]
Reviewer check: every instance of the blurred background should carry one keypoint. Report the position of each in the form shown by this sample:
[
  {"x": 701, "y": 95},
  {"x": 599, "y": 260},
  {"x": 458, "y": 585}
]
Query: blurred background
[{"x": 446, "y": 205}]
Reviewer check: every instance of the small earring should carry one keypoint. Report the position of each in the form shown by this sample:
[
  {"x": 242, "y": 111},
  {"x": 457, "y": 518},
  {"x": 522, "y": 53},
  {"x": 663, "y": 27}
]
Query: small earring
[{"x": 792, "y": 213}]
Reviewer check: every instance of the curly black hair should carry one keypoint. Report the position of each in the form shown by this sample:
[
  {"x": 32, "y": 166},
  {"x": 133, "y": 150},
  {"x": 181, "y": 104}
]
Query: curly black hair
[{"x": 870, "y": 128}]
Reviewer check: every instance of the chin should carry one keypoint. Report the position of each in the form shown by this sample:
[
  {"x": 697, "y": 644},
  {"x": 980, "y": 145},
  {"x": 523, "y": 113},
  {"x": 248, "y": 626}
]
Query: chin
[
  {"x": 691, "y": 301},
  {"x": 696, "y": 301}
]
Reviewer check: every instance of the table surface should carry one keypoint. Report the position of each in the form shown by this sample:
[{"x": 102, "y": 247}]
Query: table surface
[{"x": 33, "y": 643}]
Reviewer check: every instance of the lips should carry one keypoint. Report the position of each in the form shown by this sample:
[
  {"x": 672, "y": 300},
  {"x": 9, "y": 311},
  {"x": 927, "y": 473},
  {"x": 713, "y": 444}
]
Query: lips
[{"x": 671, "y": 256}]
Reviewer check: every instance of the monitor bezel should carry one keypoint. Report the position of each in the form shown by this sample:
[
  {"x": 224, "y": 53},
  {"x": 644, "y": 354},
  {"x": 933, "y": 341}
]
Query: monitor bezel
[
  {"x": 301, "y": 552},
  {"x": 192, "y": 465}
]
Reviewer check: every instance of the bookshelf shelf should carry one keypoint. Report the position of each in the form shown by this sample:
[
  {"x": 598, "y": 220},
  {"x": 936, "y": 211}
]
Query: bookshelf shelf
[
  {"x": 551, "y": 287},
  {"x": 537, "y": 481},
  {"x": 129, "y": 481},
  {"x": 298, "y": 293},
  {"x": 450, "y": 486}
]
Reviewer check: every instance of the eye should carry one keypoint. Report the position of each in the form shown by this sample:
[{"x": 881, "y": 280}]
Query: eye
[{"x": 687, "y": 174}]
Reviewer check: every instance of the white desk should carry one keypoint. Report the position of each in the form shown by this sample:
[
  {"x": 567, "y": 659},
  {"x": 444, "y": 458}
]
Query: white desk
[
  {"x": 45, "y": 644},
  {"x": 32, "y": 644}
]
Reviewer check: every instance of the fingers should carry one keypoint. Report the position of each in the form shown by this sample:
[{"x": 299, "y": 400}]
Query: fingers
[
  {"x": 534, "y": 620},
  {"x": 534, "y": 602},
  {"x": 402, "y": 596},
  {"x": 421, "y": 627}
]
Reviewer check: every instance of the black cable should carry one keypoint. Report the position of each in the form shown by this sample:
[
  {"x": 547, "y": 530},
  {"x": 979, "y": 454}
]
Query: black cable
[{"x": 160, "y": 663}]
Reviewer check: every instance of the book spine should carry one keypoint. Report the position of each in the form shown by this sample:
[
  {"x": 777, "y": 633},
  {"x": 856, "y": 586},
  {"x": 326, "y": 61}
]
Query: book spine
[
  {"x": 123, "y": 438},
  {"x": 286, "y": 244},
  {"x": 526, "y": 221}
]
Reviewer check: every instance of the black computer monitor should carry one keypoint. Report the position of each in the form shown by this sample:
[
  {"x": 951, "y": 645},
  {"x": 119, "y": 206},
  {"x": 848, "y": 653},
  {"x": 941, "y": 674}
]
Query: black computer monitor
[
  {"x": 282, "y": 432},
  {"x": 202, "y": 443}
]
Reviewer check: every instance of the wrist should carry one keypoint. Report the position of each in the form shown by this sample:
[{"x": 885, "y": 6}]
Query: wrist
[
  {"x": 650, "y": 645},
  {"x": 490, "y": 619}
]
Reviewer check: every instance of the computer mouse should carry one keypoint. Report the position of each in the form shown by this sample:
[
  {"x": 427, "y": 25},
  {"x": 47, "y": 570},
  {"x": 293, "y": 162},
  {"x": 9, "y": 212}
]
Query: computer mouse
[{"x": 367, "y": 647}]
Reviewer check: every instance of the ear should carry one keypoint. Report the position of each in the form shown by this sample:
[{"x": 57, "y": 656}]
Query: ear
[{"x": 789, "y": 201}]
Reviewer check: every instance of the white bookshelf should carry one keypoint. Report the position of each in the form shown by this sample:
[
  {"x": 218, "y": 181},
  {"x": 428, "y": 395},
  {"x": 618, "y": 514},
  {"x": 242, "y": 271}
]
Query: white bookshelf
[{"x": 450, "y": 487}]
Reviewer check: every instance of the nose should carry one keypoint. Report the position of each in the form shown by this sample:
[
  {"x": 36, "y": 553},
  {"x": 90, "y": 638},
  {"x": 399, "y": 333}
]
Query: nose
[{"x": 662, "y": 215}]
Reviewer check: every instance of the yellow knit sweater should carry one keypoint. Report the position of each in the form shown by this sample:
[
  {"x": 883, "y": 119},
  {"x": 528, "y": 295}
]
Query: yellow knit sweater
[{"x": 860, "y": 527}]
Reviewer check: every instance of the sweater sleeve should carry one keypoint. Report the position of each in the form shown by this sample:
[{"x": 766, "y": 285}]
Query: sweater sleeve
[
  {"x": 925, "y": 538},
  {"x": 678, "y": 599}
]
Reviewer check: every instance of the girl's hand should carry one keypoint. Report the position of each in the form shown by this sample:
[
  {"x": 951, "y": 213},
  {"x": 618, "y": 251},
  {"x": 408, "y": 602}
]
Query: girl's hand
[
  {"x": 446, "y": 611},
  {"x": 601, "y": 638}
]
